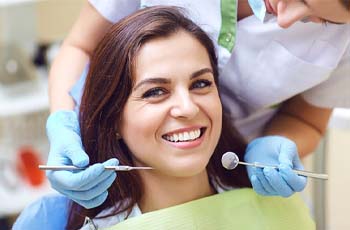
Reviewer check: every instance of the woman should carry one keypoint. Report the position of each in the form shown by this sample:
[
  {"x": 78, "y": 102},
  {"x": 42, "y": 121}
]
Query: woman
[{"x": 151, "y": 99}]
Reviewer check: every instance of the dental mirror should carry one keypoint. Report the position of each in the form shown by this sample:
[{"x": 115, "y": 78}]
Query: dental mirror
[{"x": 230, "y": 161}]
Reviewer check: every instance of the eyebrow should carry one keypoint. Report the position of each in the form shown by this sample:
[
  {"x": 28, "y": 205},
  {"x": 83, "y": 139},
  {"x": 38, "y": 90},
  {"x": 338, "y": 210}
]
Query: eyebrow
[{"x": 159, "y": 80}]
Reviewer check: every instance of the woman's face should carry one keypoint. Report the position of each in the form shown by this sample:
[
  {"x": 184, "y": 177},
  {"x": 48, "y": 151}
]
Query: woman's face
[
  {"x": 172, "y": 119},
  {"x": 290, "y": 11}
]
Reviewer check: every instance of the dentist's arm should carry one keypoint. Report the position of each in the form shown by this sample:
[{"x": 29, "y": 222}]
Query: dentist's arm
[
  {"x": 301, "y": 122},
  {"x": 87, "y": 187},
  {"x": 73, "y": 56},
  {"x": 294, "y": 131}
]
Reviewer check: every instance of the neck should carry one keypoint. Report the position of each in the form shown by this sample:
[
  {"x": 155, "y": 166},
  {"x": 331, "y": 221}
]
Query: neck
[
  {"x": 162, "y": 191},
  {"x": 244, "y": 9}
]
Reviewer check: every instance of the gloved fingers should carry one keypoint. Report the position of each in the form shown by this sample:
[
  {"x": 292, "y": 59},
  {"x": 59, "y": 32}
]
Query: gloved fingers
[
  {"x": 75, "y": 180},
  {"x": 88, "y": 181},
  {"x": 111, "y": 162},
  {"x": 100, "y": 179},
  {"x": 86, "y": 187},
  {"x": 76, "y": 154},
  {"x": 288, "y": 153},
  {"x": 67, "y": 150},
  {"x": 277, "y": 182},
  {"x": 86, "y": 195},
  {"x": 296, "y": 182},
  {"x": 90, "y": 177},
  {"x": 297, "y": 164},
  {"x": 259, "y": 172},
  {"x": 97, "y": 201},
  {"x": 289, "y": 156},
  {"x": 257, "y": 186}
]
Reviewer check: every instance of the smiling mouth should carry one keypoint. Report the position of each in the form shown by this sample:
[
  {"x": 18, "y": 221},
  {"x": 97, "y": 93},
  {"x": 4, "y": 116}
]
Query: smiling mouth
[{"x": 185, "y": 136}]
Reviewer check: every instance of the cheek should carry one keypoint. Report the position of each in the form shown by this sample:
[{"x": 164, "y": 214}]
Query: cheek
[
  {"x": 137, "y": 125},
  {"x": 140, "y": 125},
  {"x": 213, "y": 109},
  {"x": 218, "y": 114},
  {"x": 137, "y": 134},
  {"x": 218, "y": 117}
]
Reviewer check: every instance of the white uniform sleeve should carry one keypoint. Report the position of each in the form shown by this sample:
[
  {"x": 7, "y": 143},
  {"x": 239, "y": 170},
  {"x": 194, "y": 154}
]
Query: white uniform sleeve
[
  {"x": 335, "y": 91},
  {"x": 114, "y": 10}
]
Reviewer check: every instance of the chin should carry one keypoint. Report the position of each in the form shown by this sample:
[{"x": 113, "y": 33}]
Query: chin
[{"x": 186, "y": 169}]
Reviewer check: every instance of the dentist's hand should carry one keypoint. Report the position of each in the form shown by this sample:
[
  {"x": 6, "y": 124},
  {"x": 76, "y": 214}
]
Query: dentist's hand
[
  {"x": 279, "y": 151},
  {"x": 86, "y": 187}
]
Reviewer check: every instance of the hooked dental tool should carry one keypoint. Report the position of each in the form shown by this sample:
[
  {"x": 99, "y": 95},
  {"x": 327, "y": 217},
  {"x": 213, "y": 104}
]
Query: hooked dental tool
[
  {"x": 230, "y": 161},
  {"x": 72, "y": 167}
]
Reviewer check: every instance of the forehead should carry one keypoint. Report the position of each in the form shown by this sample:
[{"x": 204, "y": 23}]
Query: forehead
[{"x": 178, "y": 53}]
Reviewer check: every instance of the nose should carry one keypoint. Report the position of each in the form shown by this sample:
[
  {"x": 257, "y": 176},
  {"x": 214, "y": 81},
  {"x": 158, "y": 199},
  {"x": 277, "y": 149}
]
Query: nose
[
  {"x": 184, "y": 106},
  {"x": 289, "y": 12}
]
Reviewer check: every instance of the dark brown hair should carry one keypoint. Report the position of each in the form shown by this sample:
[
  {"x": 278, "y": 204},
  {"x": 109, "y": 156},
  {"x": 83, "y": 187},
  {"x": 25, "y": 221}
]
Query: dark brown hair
[{"x": 107, "y": 88}]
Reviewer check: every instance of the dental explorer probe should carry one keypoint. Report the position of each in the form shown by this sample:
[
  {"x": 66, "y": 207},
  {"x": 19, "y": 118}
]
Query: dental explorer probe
[
  {"x": 230, "y": 161},
  {"x": 72, "y": 167}
]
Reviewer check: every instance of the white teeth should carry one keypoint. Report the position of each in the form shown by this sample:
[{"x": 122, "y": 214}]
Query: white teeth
[
  {"x": 185, "y": 136},
  {"x": 175, "y": 137},
  {"x": 181, "y": 137},
  {"x": 192, "y": 135}
]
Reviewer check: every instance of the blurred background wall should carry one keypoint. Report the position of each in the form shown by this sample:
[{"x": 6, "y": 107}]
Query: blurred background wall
[{"x": 30, "y": 33}]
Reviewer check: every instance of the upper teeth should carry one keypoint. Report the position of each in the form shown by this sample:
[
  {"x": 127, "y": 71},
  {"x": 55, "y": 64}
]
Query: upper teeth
[{"x": 185, "y": 136}]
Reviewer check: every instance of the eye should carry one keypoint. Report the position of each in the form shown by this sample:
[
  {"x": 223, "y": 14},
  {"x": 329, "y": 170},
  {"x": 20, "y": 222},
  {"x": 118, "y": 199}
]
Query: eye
[
  {"x": 200, "y": 84},
  {"x": 154, "y": 92}
]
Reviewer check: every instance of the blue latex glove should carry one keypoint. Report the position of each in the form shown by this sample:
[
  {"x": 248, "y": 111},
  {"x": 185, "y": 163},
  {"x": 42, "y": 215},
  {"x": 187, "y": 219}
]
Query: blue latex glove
[
  {"x": 279, "y": 151},
  {"x": 49, "y": 212},
  {"x": 86, "y": 187}
]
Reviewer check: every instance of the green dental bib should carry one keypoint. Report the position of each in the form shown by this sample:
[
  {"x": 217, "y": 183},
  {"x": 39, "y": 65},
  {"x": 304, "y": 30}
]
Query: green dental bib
[{"x": 236, "y": 209}]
